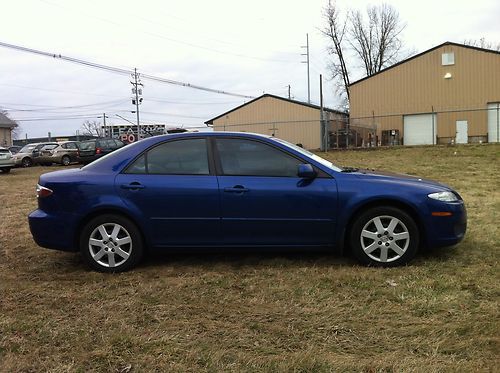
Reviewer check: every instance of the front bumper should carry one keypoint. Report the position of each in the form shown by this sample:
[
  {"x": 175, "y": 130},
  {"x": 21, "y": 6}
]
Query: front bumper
[
  {"x": 54, "y": 232},
  {"x": 446, "y": 230}
]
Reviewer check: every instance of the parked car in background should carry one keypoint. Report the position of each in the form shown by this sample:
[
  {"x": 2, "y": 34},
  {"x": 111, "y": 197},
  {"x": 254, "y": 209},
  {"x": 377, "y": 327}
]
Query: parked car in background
[
  {"x": 238, "y": 190},
  {"x": 63, "y": 153},
  {"x": 43, "y": 154},
  {"x": 15, "y": 149},
  {"x": 6, "y": 160},
  {"x": 24, "y": 157},
  {"x": 37, "y": 152},
  {"x": 90, "y": 150}
]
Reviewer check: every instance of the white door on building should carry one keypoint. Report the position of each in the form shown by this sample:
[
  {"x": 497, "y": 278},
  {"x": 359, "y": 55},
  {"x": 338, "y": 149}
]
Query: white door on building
[
  {"x": 462, "y": 135},
  {"x": 494, "y": 122},
  {"x": 419, "y": 129}
]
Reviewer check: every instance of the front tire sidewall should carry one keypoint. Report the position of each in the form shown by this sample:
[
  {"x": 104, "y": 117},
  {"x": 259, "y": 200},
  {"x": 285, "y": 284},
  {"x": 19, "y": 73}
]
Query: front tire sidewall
[
  {"x": 365, "y": 217},
  {"x": 137, "y": 243}
]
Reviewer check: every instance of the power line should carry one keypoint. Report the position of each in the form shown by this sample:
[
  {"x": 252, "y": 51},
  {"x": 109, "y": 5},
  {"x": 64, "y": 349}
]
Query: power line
[{"x": 118, "y": 70}]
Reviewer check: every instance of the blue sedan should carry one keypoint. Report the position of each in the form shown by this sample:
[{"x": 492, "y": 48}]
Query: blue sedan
[{"x": 238, "y": 190}]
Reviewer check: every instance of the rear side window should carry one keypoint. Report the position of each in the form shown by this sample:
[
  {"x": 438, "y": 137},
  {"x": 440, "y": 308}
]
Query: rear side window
[
  {"x": 87, "y": 145},
  {"x": 70, "y": 145},
  {"x": 241, "y": 157},
  {"x": 181, "y": 157}
]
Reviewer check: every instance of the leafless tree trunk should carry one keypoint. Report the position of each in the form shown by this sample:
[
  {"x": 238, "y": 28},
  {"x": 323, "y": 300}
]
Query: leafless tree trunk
[
  {"x": 482, "y": 43},
  {"x": 335, "y": 31},
  {"x": 92, "y": 128},
  {"x": 375, "y": 42}
]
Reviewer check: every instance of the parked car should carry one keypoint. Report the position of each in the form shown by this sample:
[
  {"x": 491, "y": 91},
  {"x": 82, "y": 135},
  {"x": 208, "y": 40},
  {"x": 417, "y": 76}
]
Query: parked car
[
  {"x": 43, "y": 154},
  {"x": 29, "y": 153},
  {"x": 63, "y": 153},
  {"x": 6, "y": 160},
  {"x": 15, "y": 149},
  {"x": 90, "y": 150},
  {"x": 238, "y": 190}
]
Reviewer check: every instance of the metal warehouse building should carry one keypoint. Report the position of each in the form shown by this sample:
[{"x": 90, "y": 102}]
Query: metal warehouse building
[
  {"x": 447, "y": 94},
  {"x": 294, "y": 121}
]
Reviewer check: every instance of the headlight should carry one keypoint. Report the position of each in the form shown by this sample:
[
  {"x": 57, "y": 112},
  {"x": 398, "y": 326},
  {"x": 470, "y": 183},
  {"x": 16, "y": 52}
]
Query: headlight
[{"x": 443, "y": 196}]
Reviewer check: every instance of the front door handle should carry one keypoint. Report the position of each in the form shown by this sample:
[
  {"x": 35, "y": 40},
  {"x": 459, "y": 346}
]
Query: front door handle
[
  {"x": 132, "y": 186},
  {"x": 236, "y": 189}
]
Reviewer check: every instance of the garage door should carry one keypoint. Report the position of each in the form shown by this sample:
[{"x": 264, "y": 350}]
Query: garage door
[
  {"x": 493, "y": 122},
  {"x": 420, "y": 129}
]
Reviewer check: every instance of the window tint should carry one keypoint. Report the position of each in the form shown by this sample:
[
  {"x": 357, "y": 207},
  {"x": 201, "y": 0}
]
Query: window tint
[
  {"x": 183, "y": 157},
  {"x": 138, "y": 167},
  {"x": 253, "y": 158}
]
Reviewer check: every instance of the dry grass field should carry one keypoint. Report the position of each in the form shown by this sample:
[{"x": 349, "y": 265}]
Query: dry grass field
[{"x": 260, "y": 311}]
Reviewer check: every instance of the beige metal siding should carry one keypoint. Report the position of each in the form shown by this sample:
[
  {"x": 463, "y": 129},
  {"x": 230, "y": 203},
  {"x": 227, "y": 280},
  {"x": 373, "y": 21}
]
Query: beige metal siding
[
  {"x": 5, "y": 137},
  {"x": 287, "y": 120},
  {"x": 418, "y": 86}
]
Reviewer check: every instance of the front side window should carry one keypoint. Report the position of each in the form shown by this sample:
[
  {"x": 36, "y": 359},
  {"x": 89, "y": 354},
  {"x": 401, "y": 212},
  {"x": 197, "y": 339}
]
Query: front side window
[
  {"x": 182, "y": 157},
  {"x": 241, "y": 157}
]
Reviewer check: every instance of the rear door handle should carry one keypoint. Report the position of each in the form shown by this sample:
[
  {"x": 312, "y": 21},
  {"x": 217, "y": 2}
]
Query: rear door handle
[
  {"x": 132, "y": 186},
  {"x": 236, "y": 189}
]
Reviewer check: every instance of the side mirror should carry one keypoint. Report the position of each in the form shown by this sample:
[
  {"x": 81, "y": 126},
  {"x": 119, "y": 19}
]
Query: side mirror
[{"x": 306, "y": 171}]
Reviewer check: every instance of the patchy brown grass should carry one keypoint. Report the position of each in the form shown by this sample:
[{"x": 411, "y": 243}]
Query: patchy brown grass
[{"x": 261, "y": 311}]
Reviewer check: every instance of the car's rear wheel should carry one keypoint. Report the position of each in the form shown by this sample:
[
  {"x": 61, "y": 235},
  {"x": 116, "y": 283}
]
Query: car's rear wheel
[
  {"x": 27, "y": 162},
  {"x": 384, "y": 236},
  {"x": 65, "y": 160},
  {"x": 111, "y": 243}
]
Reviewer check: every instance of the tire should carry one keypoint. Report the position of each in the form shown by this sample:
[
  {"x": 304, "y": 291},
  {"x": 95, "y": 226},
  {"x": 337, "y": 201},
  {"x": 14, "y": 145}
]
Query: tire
[
  {"x": 5, "y": 170},
  {"x": 65, "y": 160},
  {"x": 384, "y": 237},
  {"x": 27, "y": 162},
  {"x": 100, "y": 244}
]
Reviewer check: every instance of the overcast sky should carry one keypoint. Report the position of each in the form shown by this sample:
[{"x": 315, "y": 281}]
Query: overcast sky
[{"x": 246, "y": 47}]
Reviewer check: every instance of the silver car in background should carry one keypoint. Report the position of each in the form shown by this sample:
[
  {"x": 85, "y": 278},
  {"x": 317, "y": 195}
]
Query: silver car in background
[{"x": 6, "y": 160}]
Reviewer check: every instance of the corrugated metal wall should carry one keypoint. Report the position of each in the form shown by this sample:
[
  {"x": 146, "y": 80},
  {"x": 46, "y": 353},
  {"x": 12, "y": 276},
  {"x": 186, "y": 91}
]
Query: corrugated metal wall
[
  {"x": 419, "y": 86},
  {"x": 289, "y": 121}
]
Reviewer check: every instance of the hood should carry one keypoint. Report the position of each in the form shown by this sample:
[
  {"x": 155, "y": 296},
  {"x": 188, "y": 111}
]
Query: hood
[{"x": 395, "y": 177}]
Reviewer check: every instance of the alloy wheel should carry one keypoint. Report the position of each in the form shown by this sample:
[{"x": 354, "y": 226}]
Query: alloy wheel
[
  {"x": 384, "y": 238},
  {"x": 110, "y": 245}
]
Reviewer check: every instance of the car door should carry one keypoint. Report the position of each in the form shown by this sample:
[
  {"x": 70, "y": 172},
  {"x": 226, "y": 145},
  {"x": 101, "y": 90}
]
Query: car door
[
  {"x": 174, "y": 188},
  {"x": 264, "y": 202}
]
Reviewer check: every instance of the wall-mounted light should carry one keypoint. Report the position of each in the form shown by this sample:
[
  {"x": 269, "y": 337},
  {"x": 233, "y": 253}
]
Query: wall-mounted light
[{"x": 447, "y": 76}]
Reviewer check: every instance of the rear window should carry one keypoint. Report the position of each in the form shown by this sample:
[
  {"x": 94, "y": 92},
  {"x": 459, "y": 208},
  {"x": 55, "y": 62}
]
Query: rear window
[
  {"x": 90, "y": 145},
  {"x": 3, "y": 151}
]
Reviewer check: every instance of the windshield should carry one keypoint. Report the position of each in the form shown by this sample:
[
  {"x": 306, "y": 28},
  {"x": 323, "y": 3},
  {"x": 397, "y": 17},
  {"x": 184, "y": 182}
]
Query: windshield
[
  {"x": 303, "y": 151},
  {"x": 27, "y": 148}
]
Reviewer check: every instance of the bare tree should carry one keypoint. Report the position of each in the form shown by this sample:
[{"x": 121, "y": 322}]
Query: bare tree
[
  {"x": 16, "y": 130},
  {"x": 375, "y": 41},
  {"x": 92, "y": 128},
  {"x": 482, "y": 43},
  {"x": 335, "y": 31}
]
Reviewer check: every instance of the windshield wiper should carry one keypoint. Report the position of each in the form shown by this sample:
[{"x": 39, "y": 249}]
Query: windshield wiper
[{"x": 350, "y": 169}]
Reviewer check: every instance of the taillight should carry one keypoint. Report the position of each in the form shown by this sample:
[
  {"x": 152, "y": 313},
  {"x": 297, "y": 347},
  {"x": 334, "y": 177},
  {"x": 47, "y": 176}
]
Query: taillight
[
  {"x": 98, "y": 150},
  {"x": 42, "y": 192}
]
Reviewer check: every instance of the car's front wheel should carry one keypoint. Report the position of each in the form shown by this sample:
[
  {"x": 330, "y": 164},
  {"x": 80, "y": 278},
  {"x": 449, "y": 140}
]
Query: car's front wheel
[
  {"x": 111, "y": 243},
  {"x": 384, "y": 236},
  {"x": 65, "y": 160}
]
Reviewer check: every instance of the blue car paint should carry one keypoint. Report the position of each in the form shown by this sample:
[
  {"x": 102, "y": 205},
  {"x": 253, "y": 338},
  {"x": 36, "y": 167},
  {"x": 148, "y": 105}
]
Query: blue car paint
[{"x": 182, "y": 210}]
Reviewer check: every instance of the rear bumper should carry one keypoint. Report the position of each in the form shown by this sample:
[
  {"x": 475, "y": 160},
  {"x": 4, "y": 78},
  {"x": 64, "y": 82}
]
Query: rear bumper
[
  {"x": 7, "y": 164},
  {"x": 54, "y": 232}
]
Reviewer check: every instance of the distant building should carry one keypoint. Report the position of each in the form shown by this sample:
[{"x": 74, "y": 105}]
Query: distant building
[
  {"x": 34, "y": 140},
  {"x": 6, "y": 127},
  {"x": 447, "y": 94},
  {"x": 294, "y": 121}
]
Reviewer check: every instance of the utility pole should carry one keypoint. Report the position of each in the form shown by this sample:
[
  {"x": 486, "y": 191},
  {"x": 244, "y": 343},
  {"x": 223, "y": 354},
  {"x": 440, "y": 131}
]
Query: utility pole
[
  {"x": 104, "y": 125},
  {"x": 307, "y": 61},
  {"x": 324, "y": 132},
  {"x": 137, "y": 100}
]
